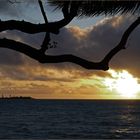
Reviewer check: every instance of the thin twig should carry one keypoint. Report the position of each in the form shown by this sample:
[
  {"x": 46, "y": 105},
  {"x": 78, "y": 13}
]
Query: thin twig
[
  {"x": 47, "y": 39},
  {"x": 43, "y": 11}
]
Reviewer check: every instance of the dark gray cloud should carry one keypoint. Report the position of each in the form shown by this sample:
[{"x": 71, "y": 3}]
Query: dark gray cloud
[
  {"x": 35, "y": 40},
  {"x": 9, "y": 57}
]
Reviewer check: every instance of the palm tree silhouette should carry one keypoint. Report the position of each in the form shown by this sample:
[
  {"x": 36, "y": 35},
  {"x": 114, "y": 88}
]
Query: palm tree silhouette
[
  {"x": 70, "y": 9},
  {"x": 101, "y": 7}
]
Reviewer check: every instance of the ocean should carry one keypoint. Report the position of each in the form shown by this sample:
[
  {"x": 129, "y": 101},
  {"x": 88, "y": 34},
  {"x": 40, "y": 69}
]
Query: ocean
[{"x": 69, "y": 119}]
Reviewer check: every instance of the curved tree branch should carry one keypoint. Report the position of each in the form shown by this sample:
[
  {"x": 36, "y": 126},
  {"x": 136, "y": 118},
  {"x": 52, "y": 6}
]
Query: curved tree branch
[
  {"x": 43, "y": 11},
  {"x": 122, "y": 42},
  {"x": 47, "y": 39},
  {"x": 31, "y": 28},
  {"x": 43, "y": 58},
  {"x": 24, "y": 26}
]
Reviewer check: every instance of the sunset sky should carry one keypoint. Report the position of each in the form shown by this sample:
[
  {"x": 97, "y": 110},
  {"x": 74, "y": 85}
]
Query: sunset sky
[{"x": 89, "y": 38}]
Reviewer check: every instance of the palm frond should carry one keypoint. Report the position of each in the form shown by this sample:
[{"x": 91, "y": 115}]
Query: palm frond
[{"x": 100, "y": 7}]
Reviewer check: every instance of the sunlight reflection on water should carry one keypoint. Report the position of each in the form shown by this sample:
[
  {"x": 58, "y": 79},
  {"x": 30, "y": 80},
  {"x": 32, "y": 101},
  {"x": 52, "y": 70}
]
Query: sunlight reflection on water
[
  {"x": 127, "y": 115},
  {"x": 128, "y": 118},
  {"x": 69, "y": 119}
]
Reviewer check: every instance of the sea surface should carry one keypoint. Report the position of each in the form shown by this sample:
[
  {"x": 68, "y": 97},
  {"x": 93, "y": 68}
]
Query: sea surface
[{"x": 69, "y": 119}]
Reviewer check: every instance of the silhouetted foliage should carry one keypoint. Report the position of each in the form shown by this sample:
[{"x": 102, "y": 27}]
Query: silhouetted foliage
[
  {"x": 70, "y": 9},
  {"x": 101, "y": 7}
]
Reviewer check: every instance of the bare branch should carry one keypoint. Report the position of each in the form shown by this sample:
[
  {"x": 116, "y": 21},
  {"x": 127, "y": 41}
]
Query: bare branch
[
  {"x": 27, "y": 27},
  {"x": 69, "y": 11},
  {"x": 122, "y": 43},
  {"x": 46, "y": 40},
  {"x": 74, "y": 8},
  {"x": 43, "y": 11},
  {"x": 52, "y": 27},
  {"x": 65, "y": 9},
  {"x": 42, "y": 58}
]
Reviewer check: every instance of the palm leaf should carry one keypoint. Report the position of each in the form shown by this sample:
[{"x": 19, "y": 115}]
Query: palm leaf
[{"x": 100, "y": 7}]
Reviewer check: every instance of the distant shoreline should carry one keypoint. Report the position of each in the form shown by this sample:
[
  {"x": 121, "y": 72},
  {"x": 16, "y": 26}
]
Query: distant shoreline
[
  {"x": 16, "y": 97},
  {"x": 90, "y": 100}
]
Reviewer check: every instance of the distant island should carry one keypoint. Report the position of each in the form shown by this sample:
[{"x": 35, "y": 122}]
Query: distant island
[{"x": 15, "y": 97}]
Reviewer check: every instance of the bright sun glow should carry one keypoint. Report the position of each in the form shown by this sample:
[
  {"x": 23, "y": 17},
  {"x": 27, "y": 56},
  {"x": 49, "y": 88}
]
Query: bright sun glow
[{"x": 124, "y": 83}]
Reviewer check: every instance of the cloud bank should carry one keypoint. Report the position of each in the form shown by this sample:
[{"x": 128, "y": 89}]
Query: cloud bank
[{"x": 90, "y": 43}]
